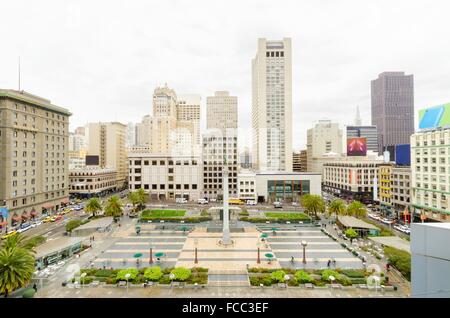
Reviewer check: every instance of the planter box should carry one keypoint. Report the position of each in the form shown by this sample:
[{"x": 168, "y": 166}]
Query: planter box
[{"x": 336, "y": 286}]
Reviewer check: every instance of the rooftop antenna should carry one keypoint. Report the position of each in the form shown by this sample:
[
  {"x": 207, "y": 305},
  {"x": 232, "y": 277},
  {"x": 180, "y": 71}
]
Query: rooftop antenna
[{"x": 19, "y": 73}]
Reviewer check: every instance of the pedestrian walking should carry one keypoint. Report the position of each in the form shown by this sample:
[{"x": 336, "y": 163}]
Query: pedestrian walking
[
  {"x": 328, "y": 263},
  {"x": 35, "y": 287},
  {"x": 334, "y": 262}
]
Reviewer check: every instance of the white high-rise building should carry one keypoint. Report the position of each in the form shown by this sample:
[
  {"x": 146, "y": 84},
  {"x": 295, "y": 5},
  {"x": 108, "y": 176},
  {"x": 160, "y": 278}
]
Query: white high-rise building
[
  {"x": 221, "y": 111},
  {"x": 324, "y": 138},
  {"x": 272, "y": 106},
  {"x": 131, "y": 135},
  {"x": 188, "y": 115},
  {"x": 174, "y": 127}
]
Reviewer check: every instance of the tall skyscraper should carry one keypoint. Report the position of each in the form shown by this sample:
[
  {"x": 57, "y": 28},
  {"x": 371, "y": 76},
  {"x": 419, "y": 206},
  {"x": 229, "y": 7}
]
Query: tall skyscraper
[
  {"x": 34, "y": 141},
  {"x": 272, "y": 106},
  {"x": 220, "y": 145},
  {"x": 107, "y": 141},
  {"x": 393, "y": 108}
]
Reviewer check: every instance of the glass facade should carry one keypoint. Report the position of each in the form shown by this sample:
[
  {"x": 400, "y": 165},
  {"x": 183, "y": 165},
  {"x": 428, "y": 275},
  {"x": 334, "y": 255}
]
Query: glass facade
[{"x": 288, "y": 190}]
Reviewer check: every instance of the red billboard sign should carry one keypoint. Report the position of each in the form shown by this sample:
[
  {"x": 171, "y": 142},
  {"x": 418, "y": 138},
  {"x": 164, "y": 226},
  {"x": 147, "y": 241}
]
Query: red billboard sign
[{"x": 356, "y": 147}]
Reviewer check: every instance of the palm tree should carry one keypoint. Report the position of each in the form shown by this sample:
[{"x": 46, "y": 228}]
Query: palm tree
[
  {"x": 336, "y": 207},
  {"x": 356, "y": 209},
  {"x": 142, "y": 197},
  {"x": 114, "y": 207},
  {"x": 16, "y": 263},
  {"x": 134, "y": 199},
  {"x": 313, "y": 203},
  {"x": 93, "y": 206}
]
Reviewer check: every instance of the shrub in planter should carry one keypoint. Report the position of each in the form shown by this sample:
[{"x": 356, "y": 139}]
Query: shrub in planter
[
  {"x": 255, "y": 280},
  {"x": 278, "y": 276},
  {"x": 266, "y": 281},
  {"x": 327, "y": 273},
  {"x": 303, "y": 277},
  {"x": 181, "y": 273},
  {"x": 199, "y": 270},
  {"x": 122, "y": 273},
  {"x": 28, "y": 293},
  {"x": 343, "y": 280},
  {"x": 89, "y": 272},
  {"x": 164, "y": 280},
  {"x": 87, "y": 280},
  {"x": 153, "y": 273},
  {"x": 111, "y": 280},
  {"x": 293, "y": 282},
  {"x": 167, "y": 270},
  {"x": 354, "y": 273},
  {"x": 105, "y": 273},
  {"x": 318, "y": 283}
]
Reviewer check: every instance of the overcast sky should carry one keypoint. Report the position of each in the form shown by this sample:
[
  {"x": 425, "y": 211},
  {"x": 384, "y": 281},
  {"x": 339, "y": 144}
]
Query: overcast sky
[{"x": 103, "y": 59}]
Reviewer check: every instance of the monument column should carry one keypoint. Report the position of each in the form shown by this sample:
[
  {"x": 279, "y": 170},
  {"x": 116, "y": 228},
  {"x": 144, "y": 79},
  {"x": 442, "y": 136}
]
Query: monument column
[{"x": 226, "y": 217}]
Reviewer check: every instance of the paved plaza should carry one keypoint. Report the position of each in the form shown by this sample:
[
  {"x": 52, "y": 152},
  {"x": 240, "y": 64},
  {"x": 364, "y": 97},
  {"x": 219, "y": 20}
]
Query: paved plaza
[{"x": 320, "y": 248}]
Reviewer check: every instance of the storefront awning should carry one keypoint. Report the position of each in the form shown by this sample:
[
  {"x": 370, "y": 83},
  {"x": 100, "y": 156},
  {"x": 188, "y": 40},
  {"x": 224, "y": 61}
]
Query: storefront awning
[
  {"x": 3, "y": 223},
  {"x": 65, "y": 201},
  {"x": 47, "y": 206},
  {"x": 25, "y": 215},
  {"x": 33, "y": 213},
  {"x": 17, "y": 218}
]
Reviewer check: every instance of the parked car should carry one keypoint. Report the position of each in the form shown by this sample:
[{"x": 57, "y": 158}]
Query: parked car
[
  {"x": 251, "y": 202},
  {"x": 24, "y": 227},
  {"x": 47, "y": 219},
  {"x": 58, "y": 217},
  {"x": 9, "y": 234},
  {"x": 202, "y": 201},
  {"x": 181, "y": 200},
  {"x": 37, "y": 223},
  {"x": 296, "y": 203},
  {"x": 277, "y": 205}
]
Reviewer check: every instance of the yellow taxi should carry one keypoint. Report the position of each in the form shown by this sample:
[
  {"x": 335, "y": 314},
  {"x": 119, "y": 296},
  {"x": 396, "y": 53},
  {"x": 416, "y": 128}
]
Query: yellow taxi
[
  {"x": 47, "y": 219},
  {"x": 9, "y": 234}
]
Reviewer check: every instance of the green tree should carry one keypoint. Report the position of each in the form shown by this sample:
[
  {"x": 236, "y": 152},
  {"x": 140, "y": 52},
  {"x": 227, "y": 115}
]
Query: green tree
[
  {"x": 313, "y": 203},
  {"x": 16, "y": 263},
  {"x": 142, "y": 197},
  {"x": 153, "y": 273},
  {"x": 114, "y": 207},
  {"x": 72, "y": 224},
  {"x": 93, "y": 206},
  {"x": 336, "y": 207},
  {"x": 351, "y": 234},
  {"x": 356, "y": 209},
  {"x": 134, "y": 198}
]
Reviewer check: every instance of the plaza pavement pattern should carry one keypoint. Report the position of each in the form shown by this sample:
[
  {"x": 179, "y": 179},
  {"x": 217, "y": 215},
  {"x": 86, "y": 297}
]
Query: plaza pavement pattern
[
  {"x": 121, "y": 253},
  {"x": 286, "y": 243}
]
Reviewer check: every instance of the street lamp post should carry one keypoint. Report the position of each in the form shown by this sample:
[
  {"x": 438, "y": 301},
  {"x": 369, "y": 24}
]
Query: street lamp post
[
  {"x": 258, "y": 259},
  {"x": 127, "y": 276},
  {"x": 82, "y": 276},
  {"x": 150, "y": 261},
  {"x": 304, "y": 244},
  {"x": 196, "y": 256}
]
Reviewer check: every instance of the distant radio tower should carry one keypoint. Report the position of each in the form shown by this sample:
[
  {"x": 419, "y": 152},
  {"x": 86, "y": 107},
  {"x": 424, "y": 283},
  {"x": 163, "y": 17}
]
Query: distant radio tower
[{"x": 358, "y": 121}]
